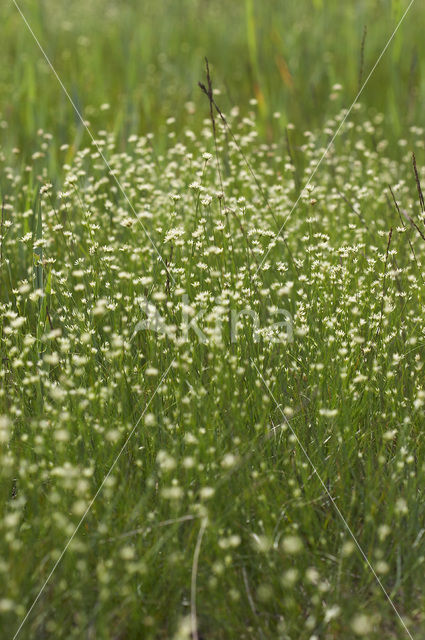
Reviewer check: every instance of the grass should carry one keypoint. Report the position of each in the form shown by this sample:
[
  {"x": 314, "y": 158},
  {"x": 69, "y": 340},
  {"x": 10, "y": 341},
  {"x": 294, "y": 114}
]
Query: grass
[{"x": 212, "y": 522}]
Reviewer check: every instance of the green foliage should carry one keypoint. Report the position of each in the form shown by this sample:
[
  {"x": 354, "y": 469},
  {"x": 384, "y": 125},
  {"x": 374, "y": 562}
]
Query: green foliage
[
  {"x": 144, "y": 59},
  {"x": 215, "y": 448}
]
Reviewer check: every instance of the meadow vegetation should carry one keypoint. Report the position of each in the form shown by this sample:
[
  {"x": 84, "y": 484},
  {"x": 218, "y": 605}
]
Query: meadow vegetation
[{"x": 255, "y": 466}]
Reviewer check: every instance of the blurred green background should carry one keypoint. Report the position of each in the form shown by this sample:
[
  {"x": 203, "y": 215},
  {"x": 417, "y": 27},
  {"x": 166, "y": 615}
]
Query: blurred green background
[{"x": 144, "y": 59}]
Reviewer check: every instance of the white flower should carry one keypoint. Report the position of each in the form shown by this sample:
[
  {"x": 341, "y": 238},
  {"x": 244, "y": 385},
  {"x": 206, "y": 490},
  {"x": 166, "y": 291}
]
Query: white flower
[
  {"x": 361, "y": 624},
  {"x": 292, "y": 544}
]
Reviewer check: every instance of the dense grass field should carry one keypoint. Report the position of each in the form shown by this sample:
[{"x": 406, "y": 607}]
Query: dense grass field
[{"x": 212, "y": 361}]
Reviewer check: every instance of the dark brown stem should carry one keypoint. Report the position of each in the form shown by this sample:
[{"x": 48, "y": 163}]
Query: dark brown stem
[
  {"x": 209, "y": 93},
  {"x": 418, "y": 184}
]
